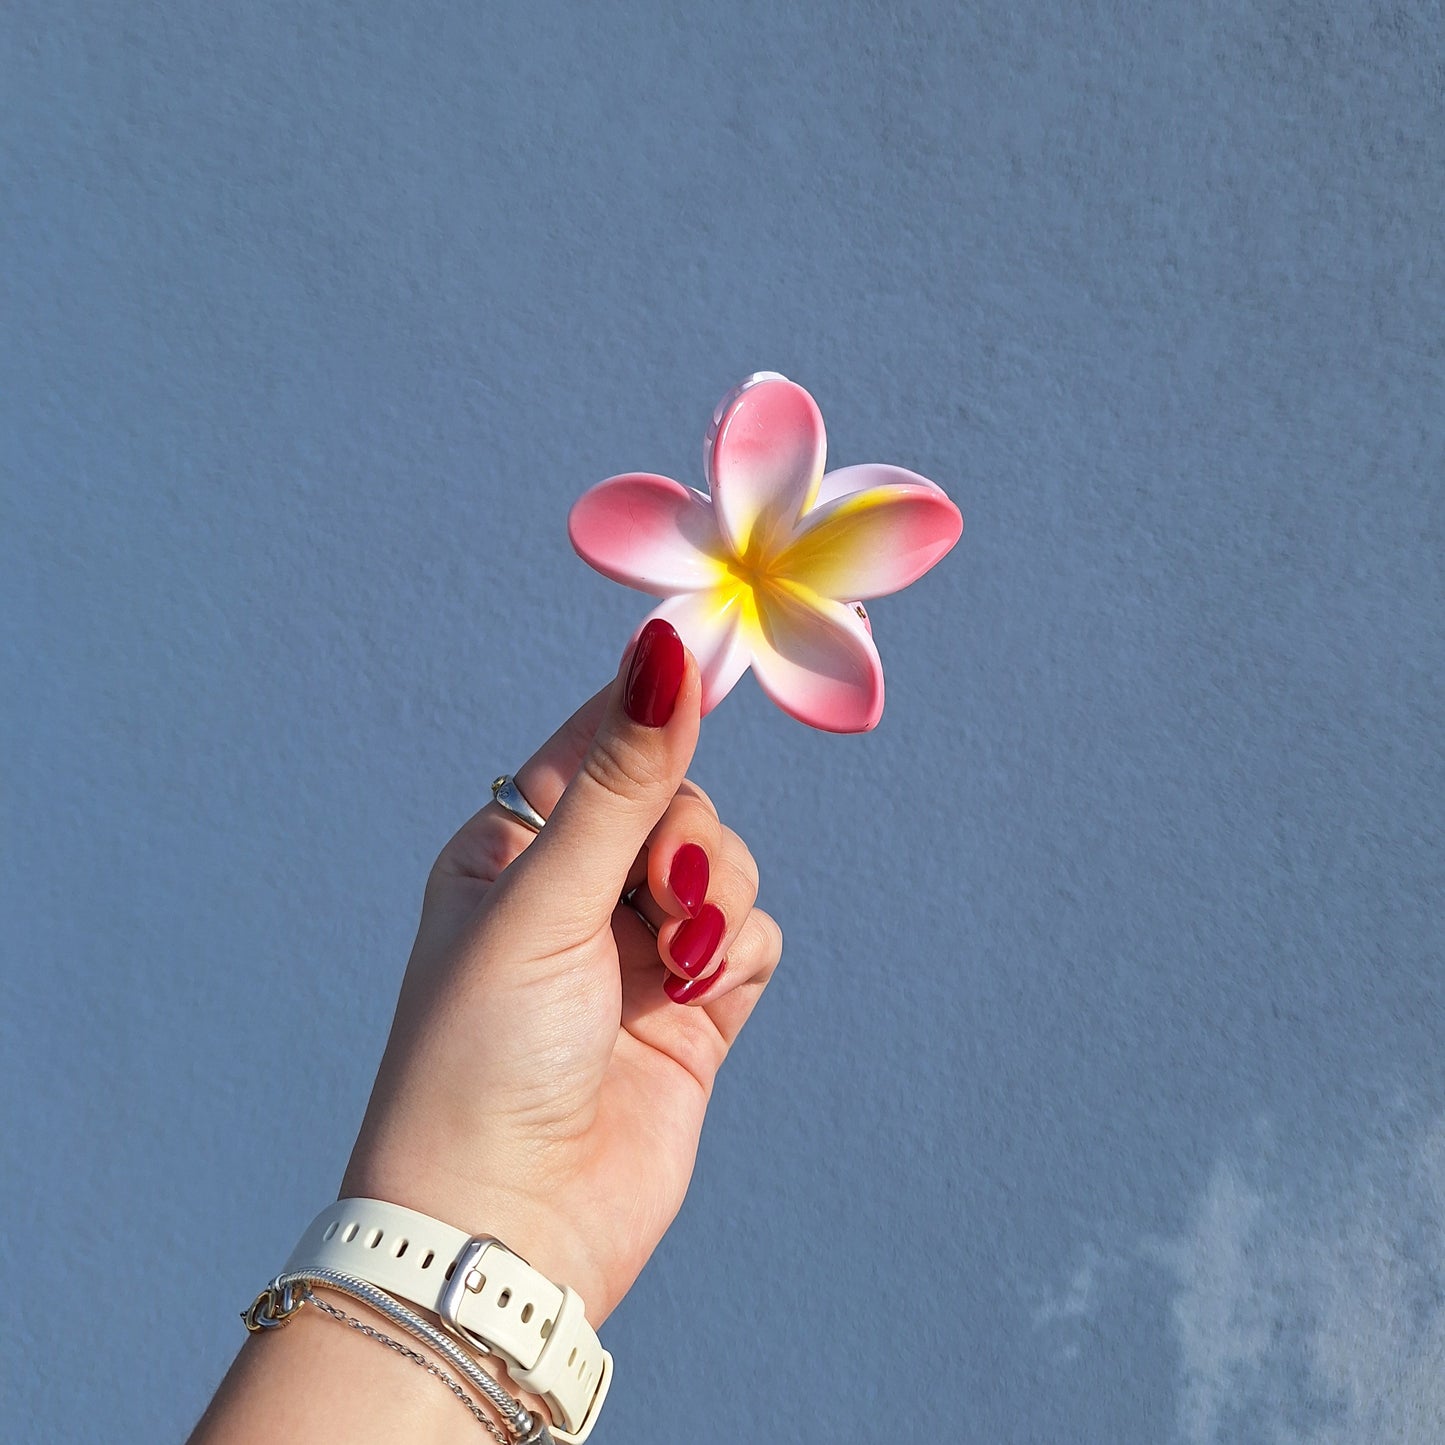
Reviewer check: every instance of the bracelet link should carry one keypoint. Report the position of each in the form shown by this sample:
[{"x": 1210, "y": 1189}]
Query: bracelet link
[{"x": 272, "y": 1308}]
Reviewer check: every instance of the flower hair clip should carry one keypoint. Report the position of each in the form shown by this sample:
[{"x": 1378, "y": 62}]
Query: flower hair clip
[{"x": 771, "y": 569}]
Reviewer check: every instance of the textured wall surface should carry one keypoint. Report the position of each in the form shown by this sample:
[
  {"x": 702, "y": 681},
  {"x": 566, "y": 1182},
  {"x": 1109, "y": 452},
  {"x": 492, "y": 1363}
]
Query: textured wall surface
[{"x": 1103, "y": 1078}]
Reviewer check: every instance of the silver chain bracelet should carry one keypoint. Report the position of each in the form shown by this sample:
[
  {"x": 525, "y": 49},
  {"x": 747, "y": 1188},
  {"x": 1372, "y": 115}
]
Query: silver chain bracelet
[
  {"x": 416, "y": 1356},
  {"x": 287, "y": 1293}
]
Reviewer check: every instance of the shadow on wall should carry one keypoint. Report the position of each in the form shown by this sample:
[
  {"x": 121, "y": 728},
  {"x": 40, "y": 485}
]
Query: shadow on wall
[{"x": 1303, "y": 1314}]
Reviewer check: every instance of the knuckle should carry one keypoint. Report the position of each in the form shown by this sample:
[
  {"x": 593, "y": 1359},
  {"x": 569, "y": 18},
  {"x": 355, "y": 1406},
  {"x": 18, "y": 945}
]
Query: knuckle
[
  {"x": 622, "y": 768},
  {"x": 759, "y": 947},
  {"x": 481, "y": 850},
  {"x": 690, "y": 789},
  {"x": 741, "y": 858},
  {"x": 687, "y": 819},
  {"x": 772, "y": 939},
  {"x": 743, "y": 873}
]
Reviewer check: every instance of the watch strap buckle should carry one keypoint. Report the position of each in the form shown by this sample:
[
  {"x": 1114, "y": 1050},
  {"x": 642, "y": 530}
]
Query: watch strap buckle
[
  {"x": 559, "y": 1351},
  {"x": 466, "y": 1278}
]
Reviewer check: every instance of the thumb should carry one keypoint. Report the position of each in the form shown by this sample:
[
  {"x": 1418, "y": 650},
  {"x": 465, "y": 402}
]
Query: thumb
[{"x": 631, "y": 771}]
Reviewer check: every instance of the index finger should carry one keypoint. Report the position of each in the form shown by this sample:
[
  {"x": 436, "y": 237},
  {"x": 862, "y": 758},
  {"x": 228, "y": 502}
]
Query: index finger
[{"x": 492, "y": 838}]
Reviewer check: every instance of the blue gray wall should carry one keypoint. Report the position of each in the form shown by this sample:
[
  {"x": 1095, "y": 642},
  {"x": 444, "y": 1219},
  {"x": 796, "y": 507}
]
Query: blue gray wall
[{"x": 1100, "y": 1095}]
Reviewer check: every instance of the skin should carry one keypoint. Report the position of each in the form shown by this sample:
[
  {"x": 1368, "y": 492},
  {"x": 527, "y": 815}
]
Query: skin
[{"x": 538, "y": 1083}]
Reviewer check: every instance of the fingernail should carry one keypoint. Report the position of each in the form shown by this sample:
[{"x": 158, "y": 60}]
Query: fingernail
[
  {"x": 688, "y": 877},
  {"x": 655, "y": 675},
  {"x": 684, "y": 990},
  {"x": 694, "y": 944}
]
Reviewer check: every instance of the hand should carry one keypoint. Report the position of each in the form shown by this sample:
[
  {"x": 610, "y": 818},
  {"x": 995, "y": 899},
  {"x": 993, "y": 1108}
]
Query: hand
[{"x": 551, "y": 1061}]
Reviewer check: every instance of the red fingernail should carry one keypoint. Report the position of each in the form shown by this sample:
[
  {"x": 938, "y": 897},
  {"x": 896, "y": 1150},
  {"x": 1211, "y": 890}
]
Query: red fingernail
[
  {"x": 655, "y": 675},
  {"x": 683, "y": 990},
  {"x": 688, "y": 877},
  {"x": 694, "y": 944}
]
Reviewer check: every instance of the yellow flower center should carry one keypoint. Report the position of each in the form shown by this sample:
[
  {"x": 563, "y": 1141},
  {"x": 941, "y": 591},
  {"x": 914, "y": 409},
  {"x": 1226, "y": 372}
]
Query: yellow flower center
[{"x": 747, "y": 585}]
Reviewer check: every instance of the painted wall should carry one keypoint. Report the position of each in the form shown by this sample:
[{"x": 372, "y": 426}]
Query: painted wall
[{"x": 1101, "y": 1095}]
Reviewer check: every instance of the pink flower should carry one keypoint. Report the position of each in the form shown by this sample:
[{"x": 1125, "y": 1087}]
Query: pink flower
[{"x": 769, "y": 571}]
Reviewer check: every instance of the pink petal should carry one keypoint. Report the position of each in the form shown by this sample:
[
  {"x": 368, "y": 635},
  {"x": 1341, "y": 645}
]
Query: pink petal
[
  {"x": 647, "y": 532},
  {"x": 868, "y": 543},
  {"x": 709, "y": 624},
  {"x": 863, "y": 478},
  {"x": 766, "y": 463},
  {"x": 816, "y": 660}
]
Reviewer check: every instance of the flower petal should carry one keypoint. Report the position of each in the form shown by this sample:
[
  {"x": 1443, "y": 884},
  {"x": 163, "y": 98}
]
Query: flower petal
[
  {"x": 816, "y": 660},
  {"x": 765, "y": 465},
  {"x": 710, "y": 625},
  {"x": 648, "y": 532},
  {"x": 868, "y": 543},
  {"x": 863, "y": 478}
]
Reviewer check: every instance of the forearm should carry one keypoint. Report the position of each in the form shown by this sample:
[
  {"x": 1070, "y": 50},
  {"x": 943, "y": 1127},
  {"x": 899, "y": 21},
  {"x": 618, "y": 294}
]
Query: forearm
[{"x": 317, "y": 1378}]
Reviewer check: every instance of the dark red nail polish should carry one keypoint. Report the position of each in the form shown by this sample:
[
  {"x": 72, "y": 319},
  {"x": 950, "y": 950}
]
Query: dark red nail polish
[
  {"x": 688, "y": 877},
  {"x": 694, "y": 944},
  {"x": 683, "y": 990},
  {"x": 655, "y": 675}
]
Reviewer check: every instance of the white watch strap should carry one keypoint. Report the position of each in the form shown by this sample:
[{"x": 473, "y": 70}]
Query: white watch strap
[{"x": 539, "y": 1329}]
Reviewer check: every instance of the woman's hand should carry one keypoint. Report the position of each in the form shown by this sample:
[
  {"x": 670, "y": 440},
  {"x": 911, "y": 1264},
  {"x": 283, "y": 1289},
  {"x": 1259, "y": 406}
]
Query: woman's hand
[{"x": 550, "y": 1060}]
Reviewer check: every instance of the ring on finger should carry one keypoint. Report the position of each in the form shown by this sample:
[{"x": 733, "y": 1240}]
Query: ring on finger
[
  {"x": 628, "y": 902},
  {"x": 509, "y": 797}
]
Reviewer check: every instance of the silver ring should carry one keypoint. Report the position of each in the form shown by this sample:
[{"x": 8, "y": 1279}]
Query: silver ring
[
  {"x": 626, "y": 901},
  {"x": 508, "y": 796}
]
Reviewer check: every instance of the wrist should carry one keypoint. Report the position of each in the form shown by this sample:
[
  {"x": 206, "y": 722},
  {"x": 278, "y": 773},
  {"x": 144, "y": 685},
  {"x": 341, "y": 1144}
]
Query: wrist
[
  {"x": 316, "y": 1378},
  {"x": 528, "y": 1227},
  {"x": 463, "y": 1294}
]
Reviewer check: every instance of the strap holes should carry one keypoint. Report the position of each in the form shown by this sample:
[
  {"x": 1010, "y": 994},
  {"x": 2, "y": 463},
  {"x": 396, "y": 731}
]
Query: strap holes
[
  {"x": 373, "y": 1239},
  {"x": 399, "y": 1248},
  {"x": 451, "y": 1269},
  {"x": 351, "y": 1232},
  {"x": 526, "y": 1313},
  {"x": 331, "y": 1230},
  {"x": 546, "y": 1328},
  {"x": 426, "y": 1263},
  {"x": 504, "y": 1299},
  {"x": 571, "y": 1359}
]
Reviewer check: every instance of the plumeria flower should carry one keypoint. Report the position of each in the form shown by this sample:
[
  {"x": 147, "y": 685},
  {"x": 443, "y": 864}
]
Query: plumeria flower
[{"x": 772, "y": 568}]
